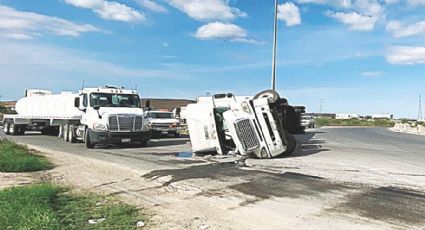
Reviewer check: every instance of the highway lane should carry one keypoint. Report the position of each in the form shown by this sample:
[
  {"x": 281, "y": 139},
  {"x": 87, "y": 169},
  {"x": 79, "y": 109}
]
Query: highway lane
[{"x": 369, "y": 173}]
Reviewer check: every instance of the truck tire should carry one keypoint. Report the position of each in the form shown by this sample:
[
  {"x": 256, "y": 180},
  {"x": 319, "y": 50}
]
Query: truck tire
[
  {"x": 87, "y": 141},
  {"x": 66, "y": 133},
  {"x": 13, "y": 129},
  {"x": 272, "y": 95},
  {"x": 71, "y": 134},
  {"x": 292, "y": 144},
  {"x": 143, "y": 143},
  {"x": 22, "y": 129},
  {"x": 6, "y": 128}
]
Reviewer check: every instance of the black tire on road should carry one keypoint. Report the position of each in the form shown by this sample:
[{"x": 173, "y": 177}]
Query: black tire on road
[
  {"x": 13, "y": 129},
  {"x": 89, "y": 144},
  {"x": 272, "y": 95},
  {"x": 65, "y": 132},
  {"x": 71, "y": 134},
  {"x": 22, "y": 129},
  {"x": 143, "y": 143},
  {"x": 6, "y": 128}
]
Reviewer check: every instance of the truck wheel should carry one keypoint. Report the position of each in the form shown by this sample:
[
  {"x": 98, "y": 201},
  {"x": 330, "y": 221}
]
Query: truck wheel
[
  {"x": 13, "y": 129},
  {"x": 6, "y": 128},
  {"x": 22, "y": 129},
  {"x": 272, "y": 95},
  {"x": 143, "y": 143},
  {"x": 71, "y": 134},
  {"x": 66, "y": 133},
  {"x": 87, "y": 140},
  {"x": 292, "y": 144}
]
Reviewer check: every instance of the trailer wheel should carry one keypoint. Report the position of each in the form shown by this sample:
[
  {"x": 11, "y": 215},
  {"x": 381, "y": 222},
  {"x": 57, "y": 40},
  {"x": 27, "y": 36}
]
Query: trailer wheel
[
  {"x": 6, "y": 128},
  {"x": 22, "y": 129},
  {"x": 13, "y": 129},
  {"x": 71, "y": 134},
  {"x": 66, "y": 133},
  {"x": 87, "y": 140},
  {"x": 272, "y": 95}
]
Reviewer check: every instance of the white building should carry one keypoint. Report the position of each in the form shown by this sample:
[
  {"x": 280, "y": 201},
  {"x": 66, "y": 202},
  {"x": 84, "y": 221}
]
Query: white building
[
  {"x": 382, "y": 116},
  {"x": 347, "y": 116}
]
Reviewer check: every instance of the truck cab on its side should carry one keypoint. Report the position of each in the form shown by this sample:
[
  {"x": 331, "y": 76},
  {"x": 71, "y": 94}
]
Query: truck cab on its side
[{"x": 249, "y": 126}]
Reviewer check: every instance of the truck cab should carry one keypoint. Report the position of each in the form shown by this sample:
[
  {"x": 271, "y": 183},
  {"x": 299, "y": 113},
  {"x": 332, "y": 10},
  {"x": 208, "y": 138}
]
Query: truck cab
[
  {"x": 249, "y": 126},
  {"x": 162, "y": 123},
  {"x": 110, "y": 115}
]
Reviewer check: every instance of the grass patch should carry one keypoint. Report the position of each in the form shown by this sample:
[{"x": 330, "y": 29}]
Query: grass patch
[
  {"x": 354, "y": 122},
  {"x": 47, "y": 206},
  {"x": 17, "y": 158}
]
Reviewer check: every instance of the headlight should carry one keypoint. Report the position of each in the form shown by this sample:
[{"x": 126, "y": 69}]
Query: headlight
[
  {"x": 147, "y": 127},
  {"x": 99, "y": 127},
  {"x": 245, "y": 107}
]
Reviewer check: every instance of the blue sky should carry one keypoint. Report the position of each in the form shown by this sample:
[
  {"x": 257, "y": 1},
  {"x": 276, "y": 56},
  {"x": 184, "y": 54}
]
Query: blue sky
[{"x": 357, "y": 56}]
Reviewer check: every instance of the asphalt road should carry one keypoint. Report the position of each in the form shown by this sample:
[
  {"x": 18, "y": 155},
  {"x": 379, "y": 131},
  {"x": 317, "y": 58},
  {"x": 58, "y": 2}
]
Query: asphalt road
[{"x": 372, "y": 173}]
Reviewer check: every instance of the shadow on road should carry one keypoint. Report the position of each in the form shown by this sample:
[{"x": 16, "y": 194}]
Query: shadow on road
[{"x": 306, "y": 145}]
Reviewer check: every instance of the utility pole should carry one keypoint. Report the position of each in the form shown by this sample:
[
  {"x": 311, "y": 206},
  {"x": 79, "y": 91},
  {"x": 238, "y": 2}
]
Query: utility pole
[
  {"x": 274, "y": 47},
  {"x": 420, "y": 117},
  {"x": 320, "y": 106}
]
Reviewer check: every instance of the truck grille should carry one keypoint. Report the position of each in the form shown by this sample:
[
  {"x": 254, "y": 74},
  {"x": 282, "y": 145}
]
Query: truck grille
[
  {"x": 246, "y": 134},
  {"x": 125, "y": 123}
]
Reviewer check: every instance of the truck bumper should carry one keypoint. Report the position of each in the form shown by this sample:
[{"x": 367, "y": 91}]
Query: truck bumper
[
  {"x": 165, "y": 130},
  {"x": 119, "y": 137}
]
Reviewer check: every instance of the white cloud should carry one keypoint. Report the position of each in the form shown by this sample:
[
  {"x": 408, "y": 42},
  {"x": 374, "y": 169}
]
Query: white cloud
[
  {"x": 369, "y": 7},
  {"x": 391, "y": 1},
  {"x": 399, "y": 30},
  {"x": 25, "y": 25},
  {"x": 334, "y": 3},
  {"x": 354, "y": 20},
  {"x": 416, "y": 2},
  {"x": 290, "y": 13},
  {"x": 151, "y": 5},
  {"x": 204, "y": 10},
  {"x": 219, "y": 30},
  {"x": 406, "y": 55},
  {"x": 110, "y": 10},
  {"x": 371, "y": 74}
]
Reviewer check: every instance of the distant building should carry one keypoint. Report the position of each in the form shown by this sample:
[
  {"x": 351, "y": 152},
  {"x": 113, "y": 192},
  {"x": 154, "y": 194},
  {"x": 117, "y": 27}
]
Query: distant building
[
  {"x": 166, "y": 104},
  {"x": 347, "y": 116},
  {"x": 316, "y": 115},
  {"x": 382, "y": 116}
]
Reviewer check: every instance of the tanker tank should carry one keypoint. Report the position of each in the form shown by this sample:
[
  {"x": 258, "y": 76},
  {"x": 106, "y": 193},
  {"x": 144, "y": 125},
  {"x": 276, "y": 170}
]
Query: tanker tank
[{"x": 58, "y": 105}]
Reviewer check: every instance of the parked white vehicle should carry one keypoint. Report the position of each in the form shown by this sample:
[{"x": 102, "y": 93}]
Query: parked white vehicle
[
  {"x": 308, "y": 121},
  {"x": 239, "y": 125},
  {"x": 162, "y": 122},
  {"x": 100, "y": 115}
]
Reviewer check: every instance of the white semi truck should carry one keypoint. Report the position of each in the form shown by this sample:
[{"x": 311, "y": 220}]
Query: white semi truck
[
  {"x": 103, "y": 115},
  {"x": 249, "y": 126}
]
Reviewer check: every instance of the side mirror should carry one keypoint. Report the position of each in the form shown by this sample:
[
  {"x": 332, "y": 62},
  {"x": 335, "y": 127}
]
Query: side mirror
[
  {"x": 148, "y": 104},
  {"x": 77, "y": 102},
  {"x": 96, "y": 107}
]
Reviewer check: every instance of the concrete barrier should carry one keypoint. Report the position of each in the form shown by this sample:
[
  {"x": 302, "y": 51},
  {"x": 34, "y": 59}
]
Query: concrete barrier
[{"x": 407, "y": 128}]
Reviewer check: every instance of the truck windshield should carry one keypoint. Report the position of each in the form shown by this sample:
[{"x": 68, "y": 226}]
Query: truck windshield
[
  {"x": 114, "y": 100},
  {"x": 160, "y": 115}
]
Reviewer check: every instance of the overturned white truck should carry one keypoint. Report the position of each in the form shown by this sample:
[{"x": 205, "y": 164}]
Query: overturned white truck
[
  {"x": 102, "y": 115},
  {"x": 249, "y": 126}
]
